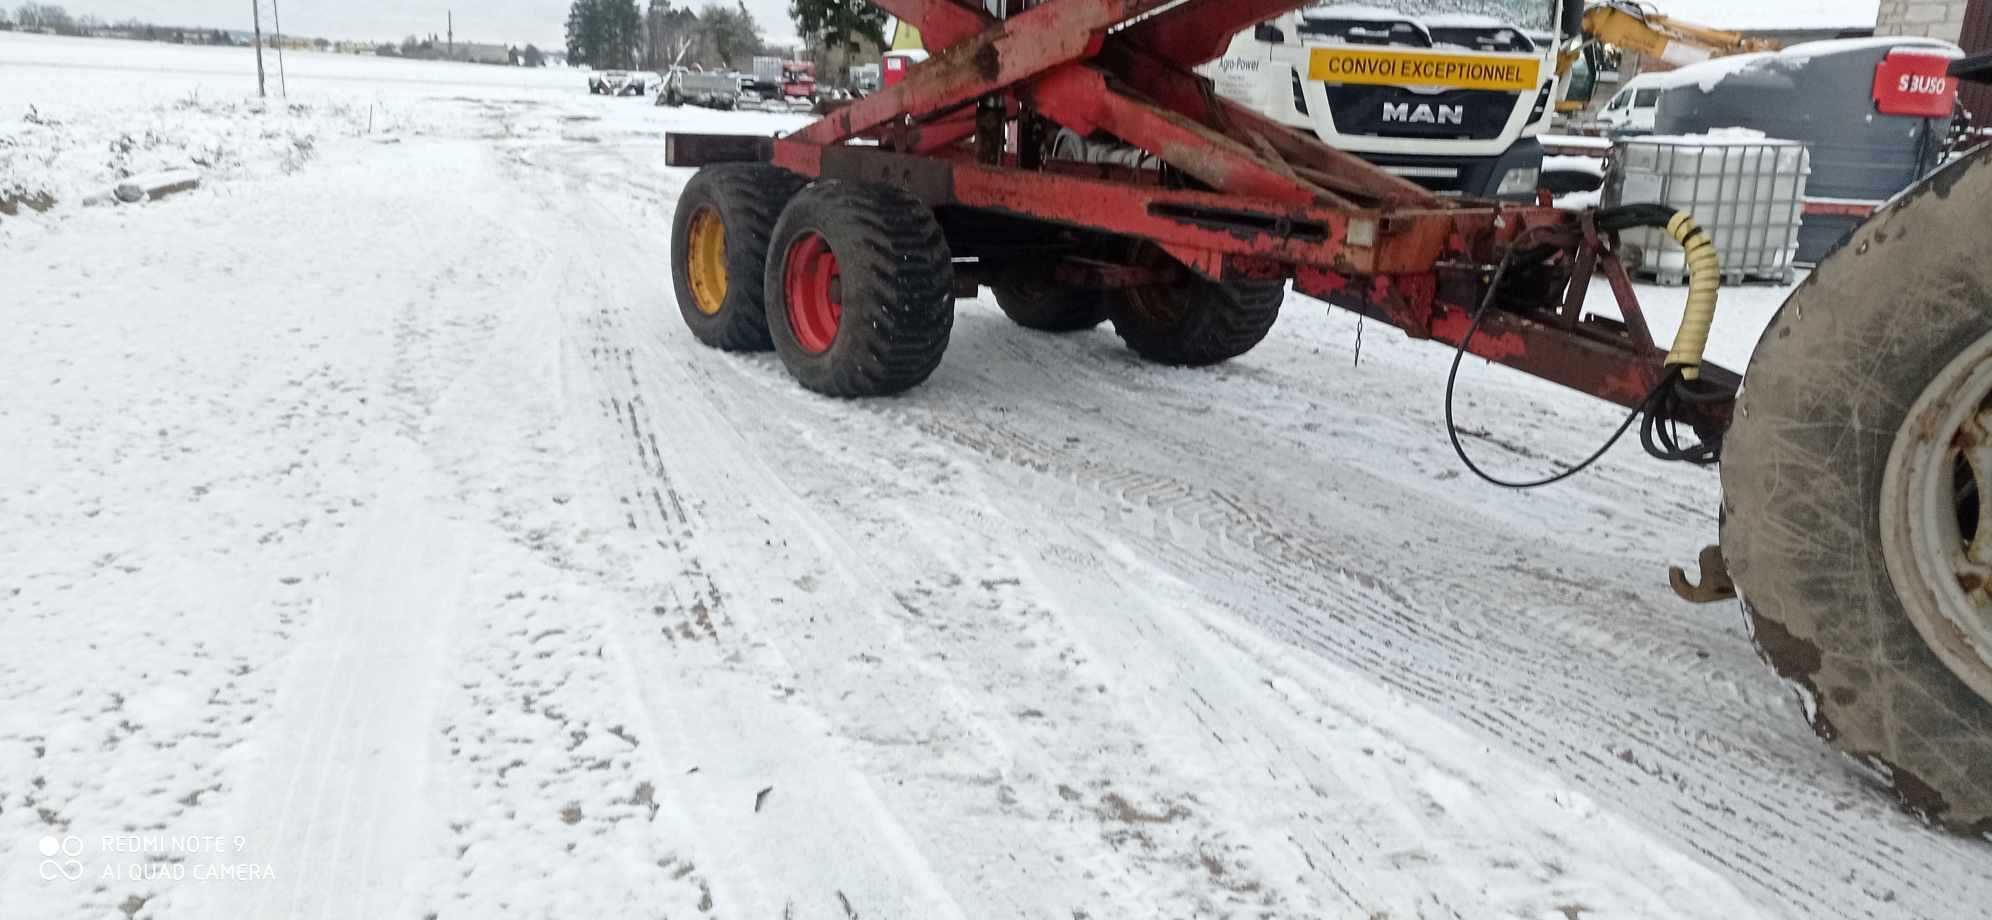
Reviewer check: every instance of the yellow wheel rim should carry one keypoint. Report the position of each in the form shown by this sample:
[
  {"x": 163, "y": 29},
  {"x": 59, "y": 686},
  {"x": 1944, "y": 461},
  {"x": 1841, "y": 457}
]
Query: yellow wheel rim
[{"x": 706, "y": 254}]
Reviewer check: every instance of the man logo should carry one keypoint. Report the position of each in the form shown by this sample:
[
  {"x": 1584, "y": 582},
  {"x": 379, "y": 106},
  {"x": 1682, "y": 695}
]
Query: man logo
[{"x": 1424, "y": 113}]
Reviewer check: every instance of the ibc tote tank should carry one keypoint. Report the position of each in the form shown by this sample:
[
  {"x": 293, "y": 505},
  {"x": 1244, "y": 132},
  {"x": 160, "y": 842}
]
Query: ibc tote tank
[{"x": 1825, "y": 95}]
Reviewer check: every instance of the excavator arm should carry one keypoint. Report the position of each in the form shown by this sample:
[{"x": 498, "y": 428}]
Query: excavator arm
[{"x": 1640, "y": 29}]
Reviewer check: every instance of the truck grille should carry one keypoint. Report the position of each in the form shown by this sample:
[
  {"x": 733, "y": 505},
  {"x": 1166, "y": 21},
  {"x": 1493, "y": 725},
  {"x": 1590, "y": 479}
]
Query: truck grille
[{"x": 1389, "y": 111}]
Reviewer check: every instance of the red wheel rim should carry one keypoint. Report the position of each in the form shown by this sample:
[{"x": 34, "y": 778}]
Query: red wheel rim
[{"x": 815, "y": 298}]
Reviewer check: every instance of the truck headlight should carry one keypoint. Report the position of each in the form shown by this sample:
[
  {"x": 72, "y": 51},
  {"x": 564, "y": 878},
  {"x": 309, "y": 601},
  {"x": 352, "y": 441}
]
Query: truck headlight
[{"x": 1521, "y": 181}]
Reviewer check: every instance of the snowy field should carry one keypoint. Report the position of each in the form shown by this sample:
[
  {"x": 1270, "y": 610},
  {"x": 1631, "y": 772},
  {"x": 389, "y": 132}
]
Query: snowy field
[{"x": 375, "y": 543}]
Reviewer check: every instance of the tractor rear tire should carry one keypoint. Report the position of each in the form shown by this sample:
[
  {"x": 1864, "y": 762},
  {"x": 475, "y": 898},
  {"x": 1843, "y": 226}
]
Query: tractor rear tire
[
  {"x": 1856, "y": 389},
  {"x": 1034, "y": 299},
  {"x": 1196, "y": 322},
  {"x": 860, "y": 286},
  {"x": 719, "y": 251}
]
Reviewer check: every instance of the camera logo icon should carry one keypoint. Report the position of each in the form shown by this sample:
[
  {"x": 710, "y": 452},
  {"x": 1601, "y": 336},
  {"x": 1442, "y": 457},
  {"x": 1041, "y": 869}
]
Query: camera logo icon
[{"x": 70, "y": 868}]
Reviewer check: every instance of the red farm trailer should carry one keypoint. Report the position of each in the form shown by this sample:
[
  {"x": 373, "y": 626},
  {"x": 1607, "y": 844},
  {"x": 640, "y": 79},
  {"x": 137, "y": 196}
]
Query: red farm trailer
[{"x": 1852, "y": 470}]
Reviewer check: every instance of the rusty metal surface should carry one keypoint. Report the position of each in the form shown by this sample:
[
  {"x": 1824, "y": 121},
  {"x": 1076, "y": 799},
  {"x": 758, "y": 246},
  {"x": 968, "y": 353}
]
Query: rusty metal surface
[
  {"x": 1601, "y": 359},
  {"x": 1221, "y": 224},
  {"x": 995, "y": 59},
  {"x": 706, "y": 149},
  {"x": 1505, "y": 338},
  {"x": 1194, "y": 34},
  {"x": 1165, "y": 77},
  {"x": 1080, "y": 98},
  {"x": 1628, "y": 304},
  {"x": 1715, "y": 584},
  {"x": 941, "y": 22},
  {"x": 1093, "y": 274}
]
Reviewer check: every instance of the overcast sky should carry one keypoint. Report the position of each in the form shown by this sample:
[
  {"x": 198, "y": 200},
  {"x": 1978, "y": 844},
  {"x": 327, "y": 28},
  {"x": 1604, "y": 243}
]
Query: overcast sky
[{"x": 512, "y": 22}]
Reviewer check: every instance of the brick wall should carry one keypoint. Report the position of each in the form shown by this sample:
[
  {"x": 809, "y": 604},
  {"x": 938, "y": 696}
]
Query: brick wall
[{"x": 1935, "y": 18}]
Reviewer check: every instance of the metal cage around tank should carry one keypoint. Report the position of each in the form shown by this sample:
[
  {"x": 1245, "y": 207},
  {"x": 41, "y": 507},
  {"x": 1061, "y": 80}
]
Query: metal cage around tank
[{"x": 1747, "y": 193}]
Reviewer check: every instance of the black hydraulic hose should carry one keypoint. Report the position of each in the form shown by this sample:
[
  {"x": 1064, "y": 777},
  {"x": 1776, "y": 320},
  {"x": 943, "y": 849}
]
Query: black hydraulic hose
[
  {"x": 1452, "y": 382},
  {"x": 1658, "y": 434}
]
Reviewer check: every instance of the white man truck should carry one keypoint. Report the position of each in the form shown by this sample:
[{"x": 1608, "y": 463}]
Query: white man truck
[{"x": 1451, "y": 94}]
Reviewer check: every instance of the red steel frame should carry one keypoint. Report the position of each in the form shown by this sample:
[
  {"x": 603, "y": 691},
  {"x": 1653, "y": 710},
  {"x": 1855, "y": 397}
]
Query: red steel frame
[{"x": 1270, "y": 202}]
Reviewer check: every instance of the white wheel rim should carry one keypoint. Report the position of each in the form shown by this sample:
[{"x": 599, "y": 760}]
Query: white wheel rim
[{"x": 1944, "y": 575}]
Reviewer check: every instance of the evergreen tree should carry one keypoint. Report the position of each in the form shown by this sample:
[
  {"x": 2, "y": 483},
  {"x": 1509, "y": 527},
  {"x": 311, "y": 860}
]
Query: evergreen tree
[
  {"x": 731, "y": 35},
  {"x": 839, "y": 23},
  {"x": 604, "y": 34}
]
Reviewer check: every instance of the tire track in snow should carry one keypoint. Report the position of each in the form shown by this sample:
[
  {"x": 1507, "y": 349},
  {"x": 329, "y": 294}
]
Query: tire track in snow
[
  {"x": 1309, "y": 570},
  {"x": 815, "y": 801},
  {"x": 1382, "y": 882},
  {"x": 1295, "y": 568},
  {"x": 349, "y": 742},
  {"x": 775, "y": 811},
  {"x": 1111, "y": 806}
]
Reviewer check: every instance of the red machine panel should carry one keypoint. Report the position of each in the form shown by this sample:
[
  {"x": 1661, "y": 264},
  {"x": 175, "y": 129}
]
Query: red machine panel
[{"x": 1914, "y": 83}]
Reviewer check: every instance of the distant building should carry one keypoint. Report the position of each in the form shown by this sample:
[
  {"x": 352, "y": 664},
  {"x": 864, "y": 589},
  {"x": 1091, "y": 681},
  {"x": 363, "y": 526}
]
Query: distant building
[
  {"x": 1933, "y": 18},
  {"x": 483, "y": 54},
  {"x": 1967, "y": 22}
]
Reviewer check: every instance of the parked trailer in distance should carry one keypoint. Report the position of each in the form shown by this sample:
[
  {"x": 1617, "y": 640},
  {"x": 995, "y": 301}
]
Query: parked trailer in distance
[
  {"x": 711, "y": 90},
  {"x": 615, "y": 83},
  {"x": 785, "y": 84}
]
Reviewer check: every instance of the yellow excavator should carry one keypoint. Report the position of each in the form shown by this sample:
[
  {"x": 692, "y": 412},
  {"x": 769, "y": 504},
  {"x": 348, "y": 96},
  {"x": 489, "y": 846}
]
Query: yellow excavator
[{"x": 1661, "y": 41}]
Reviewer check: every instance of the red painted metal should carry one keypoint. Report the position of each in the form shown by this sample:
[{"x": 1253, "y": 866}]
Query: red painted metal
[
  {"x": 1910, "y": 83},
  {"x": 1858, "y": 209},
  {"x": 814, "y": 292},
  {"x": 1239, "y": 195},
  {"x": 941, "y": 22},
  {"x": 894, "y": 68},
  {"x": 1179, "y": 90},
  {"x": 1225, "y": 224},
  {"x": 1599, "y": 358},
  {"x": 1079, "y": 98},
  {"x": 1194, "y": 34},
  {"x": 994, "y": 59},
  {"x": 1096, "y": 275}
]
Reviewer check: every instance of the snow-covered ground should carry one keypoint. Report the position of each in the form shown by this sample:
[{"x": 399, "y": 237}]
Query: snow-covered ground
[{"x": 375, "y": 543}]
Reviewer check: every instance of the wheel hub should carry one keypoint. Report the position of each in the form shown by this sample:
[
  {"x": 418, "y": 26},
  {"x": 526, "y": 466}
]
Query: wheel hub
[
  {"x": 1936, "y": 541},
  {"x": 814, "y": 288},
  {"x": 707, "y": 260}
]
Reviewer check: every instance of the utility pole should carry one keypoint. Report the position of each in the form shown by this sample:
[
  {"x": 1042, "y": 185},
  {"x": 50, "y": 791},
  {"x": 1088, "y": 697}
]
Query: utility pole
[
  {"x": 452, "y": 33},
  {"x": 282, "y": 79},
  {"x": 256, "y": 10}
]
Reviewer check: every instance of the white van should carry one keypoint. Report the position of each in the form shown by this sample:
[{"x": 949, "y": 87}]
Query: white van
[{"x": 1632, "y": 109}]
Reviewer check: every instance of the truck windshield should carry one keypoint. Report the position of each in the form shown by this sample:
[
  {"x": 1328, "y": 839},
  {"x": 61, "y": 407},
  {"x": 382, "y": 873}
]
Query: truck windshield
[{"x": 1530, "y": 16}]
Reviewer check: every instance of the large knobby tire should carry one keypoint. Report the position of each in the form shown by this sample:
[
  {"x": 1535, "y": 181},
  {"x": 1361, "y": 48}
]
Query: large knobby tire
[
  {"x": 1034, "y": 299},
  {"x": 860, "y": 287},
  {"x": 1194, "y": 322},
  {"x": 1837, "y": 400},
  {"x": 719, "y": 251}
]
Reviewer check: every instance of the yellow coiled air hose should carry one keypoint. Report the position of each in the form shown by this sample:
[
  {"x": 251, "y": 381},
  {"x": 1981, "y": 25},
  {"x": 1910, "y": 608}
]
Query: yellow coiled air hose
[{"x": 1704, "y": 279}]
